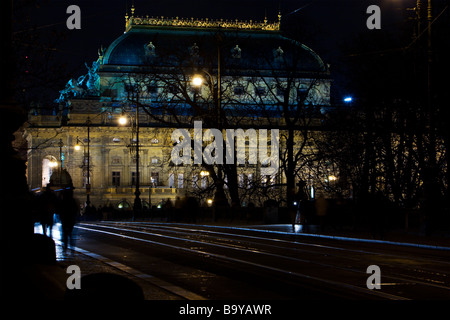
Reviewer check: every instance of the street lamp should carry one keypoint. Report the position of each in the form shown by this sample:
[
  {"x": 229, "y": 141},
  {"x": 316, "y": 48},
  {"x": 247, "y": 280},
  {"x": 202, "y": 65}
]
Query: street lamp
[
  {"x": 86, "y": 161},
  {"x": 197, "y": 81},
  {"x": 137, "y": 201},
  {"x": 123, "y": 120},
  {"x": 348, "y": 99}
]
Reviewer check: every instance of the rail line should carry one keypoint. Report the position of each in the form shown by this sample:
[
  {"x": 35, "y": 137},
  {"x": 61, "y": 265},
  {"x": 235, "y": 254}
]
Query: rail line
[
  {"x": 248, "y": 239},
  {"x": 132, "y": 230}
]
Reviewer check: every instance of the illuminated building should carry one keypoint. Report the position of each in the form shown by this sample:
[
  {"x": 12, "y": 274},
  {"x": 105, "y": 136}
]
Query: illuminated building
[{"x": 150, "y": 69}]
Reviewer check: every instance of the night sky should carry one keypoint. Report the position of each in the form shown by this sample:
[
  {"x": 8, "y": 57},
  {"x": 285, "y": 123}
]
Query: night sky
[{"x": 326, "y": 24}]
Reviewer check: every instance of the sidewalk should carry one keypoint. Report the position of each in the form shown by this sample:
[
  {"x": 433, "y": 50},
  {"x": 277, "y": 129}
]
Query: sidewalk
[{"x": 89, "y": 265}]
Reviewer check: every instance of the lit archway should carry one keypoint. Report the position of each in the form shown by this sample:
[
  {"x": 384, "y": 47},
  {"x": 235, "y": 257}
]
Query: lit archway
[{"x": 49, "y": 163}]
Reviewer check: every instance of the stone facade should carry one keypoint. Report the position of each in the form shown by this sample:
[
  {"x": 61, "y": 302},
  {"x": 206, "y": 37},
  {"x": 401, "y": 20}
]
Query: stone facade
[{"x": 93, "y": 104}]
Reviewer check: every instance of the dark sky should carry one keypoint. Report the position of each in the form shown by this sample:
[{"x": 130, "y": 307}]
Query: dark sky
[
  {"x": 331, "y": 22},
  {"x": 103, "y": 20}
]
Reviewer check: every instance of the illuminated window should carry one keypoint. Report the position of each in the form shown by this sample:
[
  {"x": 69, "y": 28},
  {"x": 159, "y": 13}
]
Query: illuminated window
[
  {"x": 171, "y": 180},
  {"x": 123, "y": 205},
  {"x": 180, "y": 181},
  {"x": 154, "y": 179},
  {"x": 195, "y": 181}
]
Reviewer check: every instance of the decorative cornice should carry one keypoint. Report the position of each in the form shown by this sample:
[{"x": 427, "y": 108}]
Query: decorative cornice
[{"x": 131, "y": 21}]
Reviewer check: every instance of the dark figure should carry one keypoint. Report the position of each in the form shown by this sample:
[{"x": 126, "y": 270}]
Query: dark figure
[
  {"x": 297, "y": 207},
  {"x": 68, "y": 211},
  {"x": 192, "y": 208},
  {"x": 168, "y": 208},
  {"x": 47, "y": 208}
]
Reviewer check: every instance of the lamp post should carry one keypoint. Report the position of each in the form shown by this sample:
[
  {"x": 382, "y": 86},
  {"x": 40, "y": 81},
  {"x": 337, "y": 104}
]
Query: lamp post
[
  {"x": 87, "y": 159},
  {"x": 197, "y": 82},
  {"x": 61, "y": 161},
  {"x": 137, "y": 201},
  {"x": 430, "y": 119}
]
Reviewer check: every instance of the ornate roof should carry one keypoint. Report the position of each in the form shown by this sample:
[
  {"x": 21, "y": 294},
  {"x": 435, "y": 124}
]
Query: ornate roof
[
  {"x": 149, "y": 41},
  {"x": 131, "y": 21}
]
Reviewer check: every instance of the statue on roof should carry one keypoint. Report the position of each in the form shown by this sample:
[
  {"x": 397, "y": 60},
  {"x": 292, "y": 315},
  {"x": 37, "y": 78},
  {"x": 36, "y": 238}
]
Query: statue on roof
[
  {"x": 85, "y": 85},
  {"x": 92, "y": 82}
]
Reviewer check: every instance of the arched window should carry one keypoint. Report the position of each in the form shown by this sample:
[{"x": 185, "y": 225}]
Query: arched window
[{"x": 123, "y": 205}]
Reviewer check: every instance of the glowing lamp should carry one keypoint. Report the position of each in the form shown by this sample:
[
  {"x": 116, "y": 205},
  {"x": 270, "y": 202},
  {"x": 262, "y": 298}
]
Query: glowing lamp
[
  {"x": 52, "y": 164},
  {"x": 348, "y": 99},
  {"x": 123, "y": 120},
  {"x": 197, "y": 81}
]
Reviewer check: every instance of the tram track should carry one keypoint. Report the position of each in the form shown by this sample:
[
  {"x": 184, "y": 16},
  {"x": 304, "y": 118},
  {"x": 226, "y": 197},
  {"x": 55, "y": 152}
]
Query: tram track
[
  {"x": 205, "y": 242},
  {"x": 296, "y": 251}
]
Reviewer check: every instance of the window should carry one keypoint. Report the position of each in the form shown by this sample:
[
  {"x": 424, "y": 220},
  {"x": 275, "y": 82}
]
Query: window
[
  {"x": 85, "y": 179},
  {"x": 110, "y": 93},
  {"x": 195, "y": 181},
  {"x": 152, "y": 89},
  {"x": 154, "y": 160},
  {"x": 278, "y": 54},
  {"x": 150, "y": 50},
  {"x": 171, "y": 180},
  {"x": 116, "y": 178},
  {"x": 116, "y": 160},
  {"x": 173, "y": 89},
  {"x": 131, "y": 88},
  {"x": 133, "y": 178},
  {"x": 241, "y": 180},
  {"x": 180, "y": 181},
  {"x": 204, "y": 182},
  {"x": 154, "y": 179},
  {"x": 123, "y": 205},
  {"x": 239, "y": 90},
  {"x": 260, "y": 91},
  {"x": 249, "y": 180},
  {"x": 280, "y": 91},
  {"x": 302, "y": 93},
  {"x": 236, "y": 52}
]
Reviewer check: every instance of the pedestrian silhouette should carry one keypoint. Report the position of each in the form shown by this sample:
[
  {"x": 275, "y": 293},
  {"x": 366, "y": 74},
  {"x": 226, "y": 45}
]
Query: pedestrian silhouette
[
  {"x": 168, "y": 208},
  {"x": 298, "y": 207},
  {"x": 47, "y": 207},
  {"x": 68, "y": 211}
]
